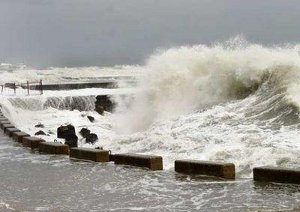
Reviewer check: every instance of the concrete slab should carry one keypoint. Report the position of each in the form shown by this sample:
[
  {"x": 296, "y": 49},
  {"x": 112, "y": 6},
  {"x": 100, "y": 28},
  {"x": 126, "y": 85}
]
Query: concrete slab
[
  {"x": 54, "y": 148},
  {"x": 9, "y": 131},
  {"x": 152, "y": 162},
  {"x": 5, "y": 126},
  {"x": 96, "y": 155},
  {"x": 276, "y": 174},
  {"x": 17, "y": 136},
  {"x": 216, "y": 169},
  {"x": 32, "y": 142},
  {"x": 4, "y": 122}
]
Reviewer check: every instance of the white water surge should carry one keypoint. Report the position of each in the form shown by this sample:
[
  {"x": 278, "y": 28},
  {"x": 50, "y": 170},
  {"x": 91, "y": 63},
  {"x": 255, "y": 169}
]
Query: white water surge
[{"x": 233, "y": 102}]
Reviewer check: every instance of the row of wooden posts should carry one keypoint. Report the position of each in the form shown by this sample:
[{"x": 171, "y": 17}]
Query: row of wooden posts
[
  {"x": 152, "y": 162},
  {"x": 26, "y": 85}
]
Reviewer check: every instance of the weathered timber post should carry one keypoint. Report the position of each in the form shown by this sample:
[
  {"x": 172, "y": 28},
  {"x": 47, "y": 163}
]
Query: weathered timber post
[
  {"x": 41, "y": 86},
  {"x": 28, "y": 87}
]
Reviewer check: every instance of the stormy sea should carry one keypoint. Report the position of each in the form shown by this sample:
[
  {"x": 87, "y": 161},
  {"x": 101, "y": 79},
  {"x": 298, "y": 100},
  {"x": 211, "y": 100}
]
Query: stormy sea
[{"x": 231, "y": 101}]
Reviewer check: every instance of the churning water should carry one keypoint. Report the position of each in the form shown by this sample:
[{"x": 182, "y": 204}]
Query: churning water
[
  {"x": 234, "y": 101},
  {"x": 35, "y": 182}
]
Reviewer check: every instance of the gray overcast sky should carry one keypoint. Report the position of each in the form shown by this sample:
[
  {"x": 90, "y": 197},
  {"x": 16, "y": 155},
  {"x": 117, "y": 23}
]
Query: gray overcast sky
[{"x": 45, "y": 33}]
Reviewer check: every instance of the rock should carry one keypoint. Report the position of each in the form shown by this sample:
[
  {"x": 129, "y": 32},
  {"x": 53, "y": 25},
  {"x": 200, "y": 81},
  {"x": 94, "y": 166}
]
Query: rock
[
  {"x": 72, "y": 140},
  {"x": 103, "y": 103},
  {"x": 91, "y": 138},
  {"x": 39, "y": 125},
  {"x": 99, "y": 109},
  {"x": 41, "y": 132},
  {"x": 91, "y": 118},
  {"x": 84, "y": 132},
  {"x": 64, "y": 131}
]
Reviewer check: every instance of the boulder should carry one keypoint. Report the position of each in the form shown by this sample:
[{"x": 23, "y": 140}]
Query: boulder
[
  {"x": 72, "y": 140},
  {"x": 40, "y": 132},
  {"x": 103, "y": 103},
  {"x": 39, "y": 125},
  {"x": 99, "y": 109},
  {"x": 91, "y": 118},
  {"x": 84, "y": 132},
  {"x": 91, "y": 138},
  {"x": 64, "y": 131}
]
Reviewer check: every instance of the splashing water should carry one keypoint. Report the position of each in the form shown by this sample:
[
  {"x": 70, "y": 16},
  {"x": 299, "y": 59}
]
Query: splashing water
[
  {"x": 234, "y": 101},
  {"x": 182, "y": 80}
]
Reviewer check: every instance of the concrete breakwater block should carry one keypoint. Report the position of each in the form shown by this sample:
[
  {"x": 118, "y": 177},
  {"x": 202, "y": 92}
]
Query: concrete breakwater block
[
  {"x": 32, "y": 142},
  {"x": 111, "y": 157},
  {"x": 96, "y": 155},
  {"x": 149, "y": 161},
  {"x": 6, "y": 125},
  {"x": 3, "y": 119},
  {"x": 276, "y": 174},
  {"x": 18, "y": 136},
  {"x": 9, "y": 131},
  {"x": 216, "y": 169},
  {"x": 54, "y": 148},
  {"x": 4, "y": 122}
]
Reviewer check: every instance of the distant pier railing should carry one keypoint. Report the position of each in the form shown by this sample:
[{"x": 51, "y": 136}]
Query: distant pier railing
[
  {"x": 38, "y": 87},
  {"x": 12, "y": 88}
]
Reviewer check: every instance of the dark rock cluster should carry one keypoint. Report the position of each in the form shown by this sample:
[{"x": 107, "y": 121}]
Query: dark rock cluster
[
  {"x": 103, "y": 103},
  {"x": 68, "y": 133},
  {"x": 89, "y": 137}
]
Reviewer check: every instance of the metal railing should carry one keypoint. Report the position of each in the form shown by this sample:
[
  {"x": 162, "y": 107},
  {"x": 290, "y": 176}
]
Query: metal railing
[{"x": 29, "y": 88}]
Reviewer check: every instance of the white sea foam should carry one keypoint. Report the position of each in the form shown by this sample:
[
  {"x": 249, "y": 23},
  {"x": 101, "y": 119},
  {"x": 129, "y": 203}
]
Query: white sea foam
[{"x": 21, "y": 74}]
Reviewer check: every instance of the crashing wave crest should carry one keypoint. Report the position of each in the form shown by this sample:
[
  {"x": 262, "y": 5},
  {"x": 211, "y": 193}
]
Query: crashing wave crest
[{"x": 181, "y": 80}]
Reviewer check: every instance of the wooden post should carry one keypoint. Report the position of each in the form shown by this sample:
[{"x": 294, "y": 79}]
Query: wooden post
[
  {"x": 15, "y": 88},
  {"x": 41, "y": 86},
  {"x": 2, "y": 89},
  {"x": 28, "y": 87}
]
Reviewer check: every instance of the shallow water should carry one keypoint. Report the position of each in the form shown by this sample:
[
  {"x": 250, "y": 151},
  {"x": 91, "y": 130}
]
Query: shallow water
[{"x": 34, "y": 182}]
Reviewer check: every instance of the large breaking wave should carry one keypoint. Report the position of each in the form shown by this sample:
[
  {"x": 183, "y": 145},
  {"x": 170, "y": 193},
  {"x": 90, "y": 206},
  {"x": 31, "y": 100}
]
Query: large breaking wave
[{"x": 186, "y": 79}]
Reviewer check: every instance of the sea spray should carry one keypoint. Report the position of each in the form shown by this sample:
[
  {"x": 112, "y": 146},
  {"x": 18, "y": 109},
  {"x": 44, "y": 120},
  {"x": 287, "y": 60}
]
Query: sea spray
[{"x": 181, "y": 80}]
